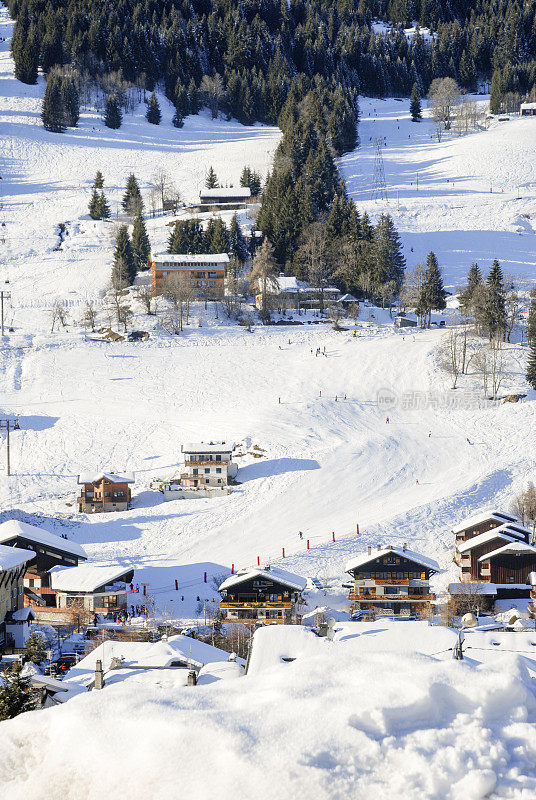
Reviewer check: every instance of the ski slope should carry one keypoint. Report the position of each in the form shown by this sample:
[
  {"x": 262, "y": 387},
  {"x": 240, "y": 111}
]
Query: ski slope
[
  {"x": 328, "y": 459},
  {"x": 469, "y": 198}
]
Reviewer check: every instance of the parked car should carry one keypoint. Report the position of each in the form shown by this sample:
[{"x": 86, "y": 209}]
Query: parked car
[{"x": 64, "y": 663}]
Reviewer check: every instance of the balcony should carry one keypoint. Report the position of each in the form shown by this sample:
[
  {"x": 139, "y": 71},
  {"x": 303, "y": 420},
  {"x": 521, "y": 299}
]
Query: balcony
[
  {"x": 259, "y": 604},
  {"x": 387, "y": 598},
  {"x": 189, "y": 462}
]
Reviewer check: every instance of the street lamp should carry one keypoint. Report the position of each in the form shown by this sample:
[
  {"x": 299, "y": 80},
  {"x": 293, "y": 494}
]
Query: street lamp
[
  {"x": 9, "y": 425},
  {"x": 468, "y": 621}
]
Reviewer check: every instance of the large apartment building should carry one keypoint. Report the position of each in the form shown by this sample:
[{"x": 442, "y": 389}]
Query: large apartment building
[{"x": 205, "y": 273}]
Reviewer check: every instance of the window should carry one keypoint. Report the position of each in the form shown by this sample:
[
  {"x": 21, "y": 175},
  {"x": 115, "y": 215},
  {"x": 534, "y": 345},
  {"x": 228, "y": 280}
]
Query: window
[
  {"x": 218, "y": 470},
  {"x": 207, "y": 470},
  {"x": 390, "y": 590},
  {"x": 218, "y": 458},
  {"x": 207, "y": 480},
  {"x": 195, "y": 471}
]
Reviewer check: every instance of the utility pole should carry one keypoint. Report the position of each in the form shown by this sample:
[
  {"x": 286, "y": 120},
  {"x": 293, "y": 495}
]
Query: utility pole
[
  {"x": 6, "y": 296},
  {"x": 379, "y": 187},
  {"x": 9, "y": 425}
]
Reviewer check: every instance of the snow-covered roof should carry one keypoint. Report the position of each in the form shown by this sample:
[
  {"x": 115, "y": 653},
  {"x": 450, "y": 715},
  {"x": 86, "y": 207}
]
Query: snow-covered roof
[
  {"x": 272, "y": 573},
  {"x": 113, "y": 477},
  {"x": 13, "y": 528},
  {"x": 482, "y": 538},
  {"x": 527, "y": 105},
  {"x": 86, "y": 577},
  {"x": 208, "y": 447},
  {"x": 228, "y": 191},
  {"x": 348, "y": 298},
  {"x": 499, "y": 516},
  {"x": 291, "y": 284},
  {"x": 473, "y": 588},
  {"x": 365, "y": 558},
  {"x": 511, "y": 548},
  {"x": 20, "y": 615},
  {"x": 11, "y": 557},
  {"x": 186, "y": 259}
]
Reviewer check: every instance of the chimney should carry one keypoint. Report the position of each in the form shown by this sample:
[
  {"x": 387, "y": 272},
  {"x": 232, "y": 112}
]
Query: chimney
[
  {"x": 99, "y": 675},
  {"x": 369, "y": 550},
  {"x": 192, "y": 678},
  {"x": 404, "y": 546}
]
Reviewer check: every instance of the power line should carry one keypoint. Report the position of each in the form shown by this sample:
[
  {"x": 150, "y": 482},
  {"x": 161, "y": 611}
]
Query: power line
[{"x": 379, "y": 187}]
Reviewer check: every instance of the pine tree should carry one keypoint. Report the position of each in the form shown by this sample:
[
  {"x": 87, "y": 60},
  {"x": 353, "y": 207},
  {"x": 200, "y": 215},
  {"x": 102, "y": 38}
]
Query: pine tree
[
  {"x": 16, "y": 694},
  {"x": 153, "y": 114},
  {"x": 104, "y": 208},
  {"x": 35, "y": 648},
  {"x": 98, "y": 183},
  {"x": 178, "y": 118},
  {"x": 389, "y": 263},
  {"x": 132, "y": 201},
  {"x": 112, "y": 112},
  {"x": 494, "y": 312},
  {"x": 141, "y": 246},
  {"x": 193, "y": 98},
  {"x": 495, "y": 97},
  {"x": 531, "y": 365},
  {"x": 219, "y": 242},
  {"x": 531, "y": 321},
  {"x": 415, "y": 104},
  {"x": 94, "y": 206},
  {"x": 211, "y": 181},
  {"x": 124, "y": 256},
  {"x": 237, "y": 243},
  {"x": 53, "y": 113},
  {"x": 432, "y": 295},
  {"x": 466, "y": 297},
  {"x": 27, "y": 58},
  {"x": 71, "y": 100}
]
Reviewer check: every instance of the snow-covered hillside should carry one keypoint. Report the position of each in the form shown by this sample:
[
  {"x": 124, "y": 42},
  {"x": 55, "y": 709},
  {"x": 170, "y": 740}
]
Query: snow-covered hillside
[
  {"x": 328, "y": 459},
  {"x": 469, "y": 198}
]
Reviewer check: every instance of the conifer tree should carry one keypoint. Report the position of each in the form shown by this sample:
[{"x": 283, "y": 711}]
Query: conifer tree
[
  {"x": 94, "y": 206},
  {"x": 132, "y": 200},
  {"x": 237, "y": 243},
  {"x": 531, "y": 321},
  {"x": 124, "y": 255},
  {"x": 104, "y": 208},
  {"x": 153, "y": 114},
  {"x": 178, "y": 118},
  {"x": 467, "y": 295},
  {"x": 53, "y": 113},
  {"x": 415, "y": 104},
  {"x": 432, "y": 295},
  {"x": 71, "y": 100},
  {"x": 494, "y": 312},
  {"x": 187, "y": 237},
  {"x": 219, "y": 241},
  {"x": 531, "y": 365},
  {"x": 211, "y": 181},
  {"x": 194, "y": 101},
  {"x": 389, "y": 263},
  {"x": 26, "y": 57},
  {"x": 16, "y": 694},
  {"x": 98, "y": 183},
  {"x": 141, "y": 246},
  {"x": 35, "y": 648},
  {"x": 112, "y": 112}
]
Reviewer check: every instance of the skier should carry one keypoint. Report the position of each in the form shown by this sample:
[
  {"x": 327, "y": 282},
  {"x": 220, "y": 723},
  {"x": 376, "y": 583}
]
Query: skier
[
  {"x": 387, "y": 420},
  {"x": 301, "y": 535}
]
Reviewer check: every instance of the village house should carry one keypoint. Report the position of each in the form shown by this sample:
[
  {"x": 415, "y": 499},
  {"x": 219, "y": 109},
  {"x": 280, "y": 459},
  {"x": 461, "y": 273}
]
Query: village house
[
  {"x": 527, "y": 110},
  {"x": 13, "y": 565},
  {"x": 104, "y": 491},
  {"x": 204, "y": 273},
  {"x": 94, "y": 588},
  {"x": 392, "y": 581},
  {"x": 495, "y": 557},
  {"x": 289, "y": 293},
  {"x": 262, "y": 596},
  {"x": 208, "y": 464},
  {"x": 48, "y": 551},
  {"x": 223, "y": 196}
]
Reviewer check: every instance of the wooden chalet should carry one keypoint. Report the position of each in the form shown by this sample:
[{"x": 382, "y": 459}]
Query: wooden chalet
[
  {"x": 480, "y": 523},
  {"x": 13, "y": 564},
  {"x": 495, "y": 557},
  {"x": 225, "y": 195},
  {"x": 105, "y": 491},
  {"x": 48, "y": 550},
  {"x": 391, "y": 581},
  {"x": 262, "y": 596}
]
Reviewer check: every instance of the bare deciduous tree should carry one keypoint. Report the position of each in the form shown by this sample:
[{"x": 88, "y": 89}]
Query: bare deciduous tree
[
  {"x": 444, "y": 96},
  {"x": 313, "y": 252},
  {"x": 524, "y": 506},
  {"x": 59, "y": 315},
  {"x": 89, "y": 318},
  {"x": 161, "y": 184},
  {"x": 213, "y": 93},
  {"x": 263, "y": 276}
]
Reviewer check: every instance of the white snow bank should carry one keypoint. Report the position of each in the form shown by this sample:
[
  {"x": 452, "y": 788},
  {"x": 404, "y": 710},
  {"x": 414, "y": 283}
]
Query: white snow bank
[{"x": 327, "y": 726}]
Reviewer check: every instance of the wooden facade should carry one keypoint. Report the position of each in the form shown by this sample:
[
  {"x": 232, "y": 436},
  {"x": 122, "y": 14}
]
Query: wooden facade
[
  {"x": 104, "y": 493},
  {"x": 258, "y": 598},
  {"x": 204, "y": 275},
  {"x": 391, "y": 582}
]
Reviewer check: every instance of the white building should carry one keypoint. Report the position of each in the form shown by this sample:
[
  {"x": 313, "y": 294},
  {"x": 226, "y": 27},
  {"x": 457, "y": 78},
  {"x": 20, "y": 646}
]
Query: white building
[
  {"x": 208, "y": 464},
  {"x": 527, "y": 110}
]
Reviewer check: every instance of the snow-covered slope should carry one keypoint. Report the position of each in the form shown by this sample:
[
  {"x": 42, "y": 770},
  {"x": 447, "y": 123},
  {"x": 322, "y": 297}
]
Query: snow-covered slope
[{"x": 469, "y": 198}]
